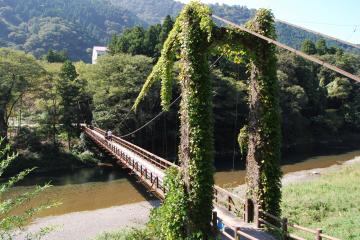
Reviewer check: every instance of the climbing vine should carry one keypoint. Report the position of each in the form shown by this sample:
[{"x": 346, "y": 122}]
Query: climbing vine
[
  {"x": 187, "y": 210},
  {"x": 264, "y": 118}
]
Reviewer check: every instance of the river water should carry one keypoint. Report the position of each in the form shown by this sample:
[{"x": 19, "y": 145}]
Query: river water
[{"x": 96, "y": 188}]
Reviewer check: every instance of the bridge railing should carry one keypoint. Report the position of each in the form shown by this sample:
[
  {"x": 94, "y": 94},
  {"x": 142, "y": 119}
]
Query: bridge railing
[
  {"x": 230, "y": 201},
  {"x": 283, "y": 226},
  {"x": 156, "y": 160},
  {"x": 146, "y": 176}
]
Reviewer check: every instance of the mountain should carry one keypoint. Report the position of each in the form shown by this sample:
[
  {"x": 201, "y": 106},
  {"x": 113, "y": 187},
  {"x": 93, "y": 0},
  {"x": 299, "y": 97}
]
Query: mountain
[
  {"x": 77, "y": 25},
  {"x": 153, "y": 11},
  {"x": 37, "y": 25}
]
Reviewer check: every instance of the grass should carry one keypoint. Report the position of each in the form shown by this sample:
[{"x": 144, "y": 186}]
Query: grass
[
  {"x": 331, "y": 203},
  {"x": 129, "y": 234}
]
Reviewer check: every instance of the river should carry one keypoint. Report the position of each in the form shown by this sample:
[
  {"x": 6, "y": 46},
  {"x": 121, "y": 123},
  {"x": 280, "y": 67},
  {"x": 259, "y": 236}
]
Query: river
[{"x": 96, "y": 188}]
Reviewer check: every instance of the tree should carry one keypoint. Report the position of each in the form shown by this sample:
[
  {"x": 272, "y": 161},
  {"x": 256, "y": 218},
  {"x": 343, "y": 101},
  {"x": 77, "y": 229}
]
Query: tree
[
  {"x": 151, "y": 39},
  {"x": 321, "y": 47},
  {"x": 56, "y": 56},
  {"x": 74, "y": 100},
  {"x": 131, "y": 41},
  {"x": 19, "y": 73},
  {"x": 308, "y": 47},
  {"x": 166, "y": 27}
]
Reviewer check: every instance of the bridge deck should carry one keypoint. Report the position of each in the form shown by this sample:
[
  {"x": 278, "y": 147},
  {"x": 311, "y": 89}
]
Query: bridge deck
[{"x": 155, "y": 170}]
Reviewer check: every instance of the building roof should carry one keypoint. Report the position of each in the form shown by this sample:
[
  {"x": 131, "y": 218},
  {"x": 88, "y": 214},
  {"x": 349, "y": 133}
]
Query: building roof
[{"x": 99, "y": 48}]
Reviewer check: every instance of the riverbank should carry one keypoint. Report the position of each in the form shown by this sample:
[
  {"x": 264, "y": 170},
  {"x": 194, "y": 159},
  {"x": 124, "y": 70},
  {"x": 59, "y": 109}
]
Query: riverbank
[
  {"x": 89, "y": 224},
  {"x": 304, "y": 175}
]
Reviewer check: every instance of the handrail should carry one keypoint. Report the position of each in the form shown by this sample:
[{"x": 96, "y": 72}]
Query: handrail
[
  {"x": 284, "y": 224},
  {"x": 150, "y": 156}
]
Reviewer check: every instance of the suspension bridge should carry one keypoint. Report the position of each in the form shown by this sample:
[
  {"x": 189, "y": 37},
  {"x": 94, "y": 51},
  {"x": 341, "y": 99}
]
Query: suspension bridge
[{"x": 235, "y": 217}]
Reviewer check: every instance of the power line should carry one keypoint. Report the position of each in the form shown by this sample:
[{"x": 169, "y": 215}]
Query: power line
[
  {"x": 297, "y": 52},
  {"x": 323, "y": 23},
  {"x": 318, "y": 33}
]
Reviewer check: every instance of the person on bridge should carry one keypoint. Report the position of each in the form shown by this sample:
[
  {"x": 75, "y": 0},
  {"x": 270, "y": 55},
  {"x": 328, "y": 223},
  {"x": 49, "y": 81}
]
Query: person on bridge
[{"x": 109, "y": 135}]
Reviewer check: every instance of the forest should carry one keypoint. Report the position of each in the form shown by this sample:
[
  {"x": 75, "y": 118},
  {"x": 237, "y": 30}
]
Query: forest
[
  {"x": 243, "y": 102},
  {"x": 46, "y": 96},
  {"x": 36, "y": 26}
]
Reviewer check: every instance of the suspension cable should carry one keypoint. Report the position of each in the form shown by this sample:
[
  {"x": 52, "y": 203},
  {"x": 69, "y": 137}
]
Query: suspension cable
[
  {"x": 297, "y": 52},
  {"x": 153, "y": 119},
  {"x": 162, "y": 112}
]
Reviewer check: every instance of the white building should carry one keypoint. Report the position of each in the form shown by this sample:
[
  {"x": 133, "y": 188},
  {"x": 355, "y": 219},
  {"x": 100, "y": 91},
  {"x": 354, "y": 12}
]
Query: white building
[{"x": 97, "y": 52}]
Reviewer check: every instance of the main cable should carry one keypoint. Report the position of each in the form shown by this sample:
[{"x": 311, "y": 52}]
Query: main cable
[{"x": 293, "y": 50}]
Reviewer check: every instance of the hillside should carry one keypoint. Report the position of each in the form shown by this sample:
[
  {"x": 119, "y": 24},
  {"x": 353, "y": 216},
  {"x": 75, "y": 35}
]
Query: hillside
[
  {"x": 37, "y": 25},
  {"x": 153, "y": 11}
]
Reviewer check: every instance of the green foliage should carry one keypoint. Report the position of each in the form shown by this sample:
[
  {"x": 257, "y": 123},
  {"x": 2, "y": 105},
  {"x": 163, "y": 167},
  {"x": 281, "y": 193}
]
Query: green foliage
[
  {"x": 75, "y": 100},
  {"x": 138, "y": 41},
  {"x": 133, "y": 234},
  {"x": 321, "y": 47},
  {"x": 330, "y": 202},
  {"x": 37, "y": 26},
  {"x": 9, "y": 222},
  {"x": 19, "y": 73},
  {"x": 56, "y": 56},
  {"x": 308, "y": 47},
  {"x": 340, "y": 88},
  {"x": 191, "y": 36},
  {"x": 243, "y": 140},
  {"x": 169, "y": 221}
]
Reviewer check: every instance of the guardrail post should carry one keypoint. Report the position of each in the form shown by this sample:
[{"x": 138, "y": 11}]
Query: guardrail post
[
  {"x": 229, "y": 203},
  {"x": 318, "y": 234},
  {"x": 237, "y": 235},
  {"x": 214, "y": 222},
  {"x": 284, "y": 226},
  {"x": 249, "y": 213},
  {"x": 257, "y": 215}
]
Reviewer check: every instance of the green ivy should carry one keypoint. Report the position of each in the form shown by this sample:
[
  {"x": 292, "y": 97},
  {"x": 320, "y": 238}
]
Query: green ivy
[{"x": 187, "y": 210}]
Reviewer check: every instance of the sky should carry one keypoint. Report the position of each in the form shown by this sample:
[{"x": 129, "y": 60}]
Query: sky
[{"x": 337, "y": 18}]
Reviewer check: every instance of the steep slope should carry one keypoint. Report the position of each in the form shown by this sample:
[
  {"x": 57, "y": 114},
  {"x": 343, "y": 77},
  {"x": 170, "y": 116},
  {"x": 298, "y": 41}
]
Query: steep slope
[
  {"x": 77, "y": 25},
  {"x": 37, "y": 25},
  {"x": 155, "y": 10}
]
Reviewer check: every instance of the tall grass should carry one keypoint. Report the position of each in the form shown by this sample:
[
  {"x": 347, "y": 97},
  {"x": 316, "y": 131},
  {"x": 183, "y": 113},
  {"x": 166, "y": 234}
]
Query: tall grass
[{"x": 331, "y": 203}]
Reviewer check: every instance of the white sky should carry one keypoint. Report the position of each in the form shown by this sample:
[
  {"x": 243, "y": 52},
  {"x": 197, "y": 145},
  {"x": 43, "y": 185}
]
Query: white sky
[{"x": 336, "y": 18}]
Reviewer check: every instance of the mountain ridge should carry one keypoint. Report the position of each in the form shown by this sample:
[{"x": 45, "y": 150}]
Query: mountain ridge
[{"x": 36, "y": 26}]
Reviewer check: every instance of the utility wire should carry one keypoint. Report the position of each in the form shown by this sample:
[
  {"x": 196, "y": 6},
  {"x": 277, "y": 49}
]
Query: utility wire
[{"x": 309, "y": 30}]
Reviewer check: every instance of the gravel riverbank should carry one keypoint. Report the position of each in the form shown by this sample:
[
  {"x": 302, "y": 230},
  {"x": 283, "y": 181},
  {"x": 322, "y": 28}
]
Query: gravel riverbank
[
  {"x": 89, "y": 224},
  {"x": 302, "y": 176}
]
